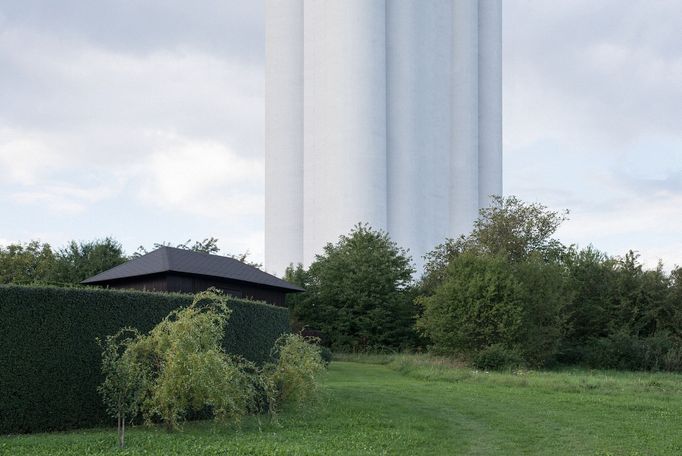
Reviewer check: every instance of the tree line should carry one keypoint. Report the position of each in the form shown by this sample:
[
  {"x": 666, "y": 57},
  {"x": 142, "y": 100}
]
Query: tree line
[
  {"x": 507, "y": 294},
  {"x": 38, "y": 262}
]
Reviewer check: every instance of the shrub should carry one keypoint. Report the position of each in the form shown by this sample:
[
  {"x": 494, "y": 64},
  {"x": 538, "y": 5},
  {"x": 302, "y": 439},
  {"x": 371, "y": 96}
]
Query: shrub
[
  {"x": 497, "y": 357},
  {"x": 326, "y": 355},
  {"x": 617, "y": 351},
  {"x": 545, "y": 294},
  {"x": 190, "y": 370},
  {"x": 486, "y": 301},
  {"x": 477, "y": 306},
  {"x": 295, "y": 373},
  {"x": 49, "y": 355},
  {"x": 622, "y": 350}
]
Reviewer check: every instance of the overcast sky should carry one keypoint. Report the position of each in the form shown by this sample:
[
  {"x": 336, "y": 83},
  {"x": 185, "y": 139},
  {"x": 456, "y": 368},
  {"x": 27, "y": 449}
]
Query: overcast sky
[{"x": 143, "y": 120}]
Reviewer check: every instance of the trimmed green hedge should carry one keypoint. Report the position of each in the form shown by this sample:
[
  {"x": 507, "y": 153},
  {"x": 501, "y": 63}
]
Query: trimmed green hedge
[{"x": 50, "y": 362}]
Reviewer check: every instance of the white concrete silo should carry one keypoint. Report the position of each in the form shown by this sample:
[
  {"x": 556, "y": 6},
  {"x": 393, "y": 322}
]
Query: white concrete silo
[
  {"x": 419, "y": 122},
  {"x": 284, "y": 134},
  {"x": 380, "y": 111},
  {"x": 344, "y": 119}
]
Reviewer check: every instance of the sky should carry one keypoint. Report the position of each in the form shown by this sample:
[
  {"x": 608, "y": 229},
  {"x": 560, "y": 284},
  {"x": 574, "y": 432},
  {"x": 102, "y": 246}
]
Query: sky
[{"x": 144, "y": 120}]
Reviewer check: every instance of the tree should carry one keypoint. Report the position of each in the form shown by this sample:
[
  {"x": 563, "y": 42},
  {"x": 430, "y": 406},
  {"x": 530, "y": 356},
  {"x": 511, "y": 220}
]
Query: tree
[
  {"x": 208, "y": 245},
  {"x": 517, "y": 229},
  {"x": 357, "y": 292},
  {"x": 296, "y": 301},
  {"x": 26, "y": 263},
  {"x": 510, "y": 228},
  {"x": 486, "y": 301},
  {"x": 478, "y": 305},
  {"x": 125, "y": 379},
  {"x": 591, "y": 279},
  {"x": 80, "y": 260}
]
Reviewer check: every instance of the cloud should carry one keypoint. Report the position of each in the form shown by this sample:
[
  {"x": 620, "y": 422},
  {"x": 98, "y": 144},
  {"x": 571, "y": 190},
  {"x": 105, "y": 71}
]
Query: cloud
[
  {"x": 592, "y": 72},
  {"x": 107, "y": 103},
  {"x": 229, "y": 29},
  {"x": 591, "y": 106},
  {"x": 24, "y": 157},
  {"x": 179, "y": 129},
  {"x": 68, "y": 199},
  {"x": 203, "y": 178}
]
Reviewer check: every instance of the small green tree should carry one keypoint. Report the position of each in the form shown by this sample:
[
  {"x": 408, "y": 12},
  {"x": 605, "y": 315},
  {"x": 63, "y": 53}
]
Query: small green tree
[{"x": 126, "y": 381}]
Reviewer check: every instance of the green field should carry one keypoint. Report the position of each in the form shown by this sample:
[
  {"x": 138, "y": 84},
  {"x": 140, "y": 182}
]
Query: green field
[{"x": 416, "y": 405}]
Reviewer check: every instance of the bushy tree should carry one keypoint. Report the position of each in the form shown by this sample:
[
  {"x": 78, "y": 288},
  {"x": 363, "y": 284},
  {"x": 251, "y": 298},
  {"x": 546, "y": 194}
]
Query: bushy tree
[
  {"x": 208, "y": 245},
  {"x": 80, "y": 260},
  {"x": 545, "y": 295},
  {"x": 516, "y": 229},
  {"x": 180, "y": 368},
  {"x": 26, "y": 263},
  {"x": 510, "y": 228},
  {"x": 357, "y": 292},
  {"x": 590, "y": 275},
  {"x": 479, "y": 304},
  {"x": 485, "y": 302}
]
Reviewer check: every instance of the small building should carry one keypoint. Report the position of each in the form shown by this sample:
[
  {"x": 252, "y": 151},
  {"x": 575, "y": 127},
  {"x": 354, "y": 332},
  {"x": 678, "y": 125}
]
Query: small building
[{"x": 170, "y": 269}]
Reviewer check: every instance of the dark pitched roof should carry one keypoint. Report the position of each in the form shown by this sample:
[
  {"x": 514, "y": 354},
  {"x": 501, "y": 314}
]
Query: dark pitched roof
[{"x": 171, "y": 259}]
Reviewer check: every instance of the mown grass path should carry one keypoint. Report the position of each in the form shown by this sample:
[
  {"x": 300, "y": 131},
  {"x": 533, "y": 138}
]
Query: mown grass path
[{"x": 375, "y": 409}]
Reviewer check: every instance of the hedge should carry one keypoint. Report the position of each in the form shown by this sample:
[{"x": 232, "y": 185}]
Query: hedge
[{"x": 50, "y": 361}]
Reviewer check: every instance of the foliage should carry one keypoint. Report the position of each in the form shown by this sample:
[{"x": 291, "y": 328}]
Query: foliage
[
  {"x": 478, "y": 305},
  {"x": 296, "y": 302},
  {"x": 208, "y": 245},
  {"x": 358, "y": 292},
  {"x": 125, "y": 380},
  {"x": 38, "y": 263},
  {"x": 486, "y": 301},
  {"x": 190, "y": 369},
  {"x": 326, "y": 355},
  {"x": 590, "y": 277},
  {"x": 27, "y": 263},
  {"x": 49, "y": 356},
  {"x": 295, "y": 374},
  {"x": 80, "y": 260},
  {"x": 517, "y": 229},
  {"x": 509, "y": 227},
  {"x": 544, "y": 297},
  {"x": 574, "y": 305},
  {"x": 497, "y": 357},
  {"x": 621, "y": 316}
]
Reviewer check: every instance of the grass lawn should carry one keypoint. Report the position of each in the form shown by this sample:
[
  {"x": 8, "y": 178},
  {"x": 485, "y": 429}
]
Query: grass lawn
[{"x": 416, "y": 405}]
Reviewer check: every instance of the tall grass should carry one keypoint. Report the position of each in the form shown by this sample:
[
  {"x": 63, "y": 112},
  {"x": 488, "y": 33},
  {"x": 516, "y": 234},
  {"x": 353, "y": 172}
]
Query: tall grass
[{"x": 434, "y": 368}]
